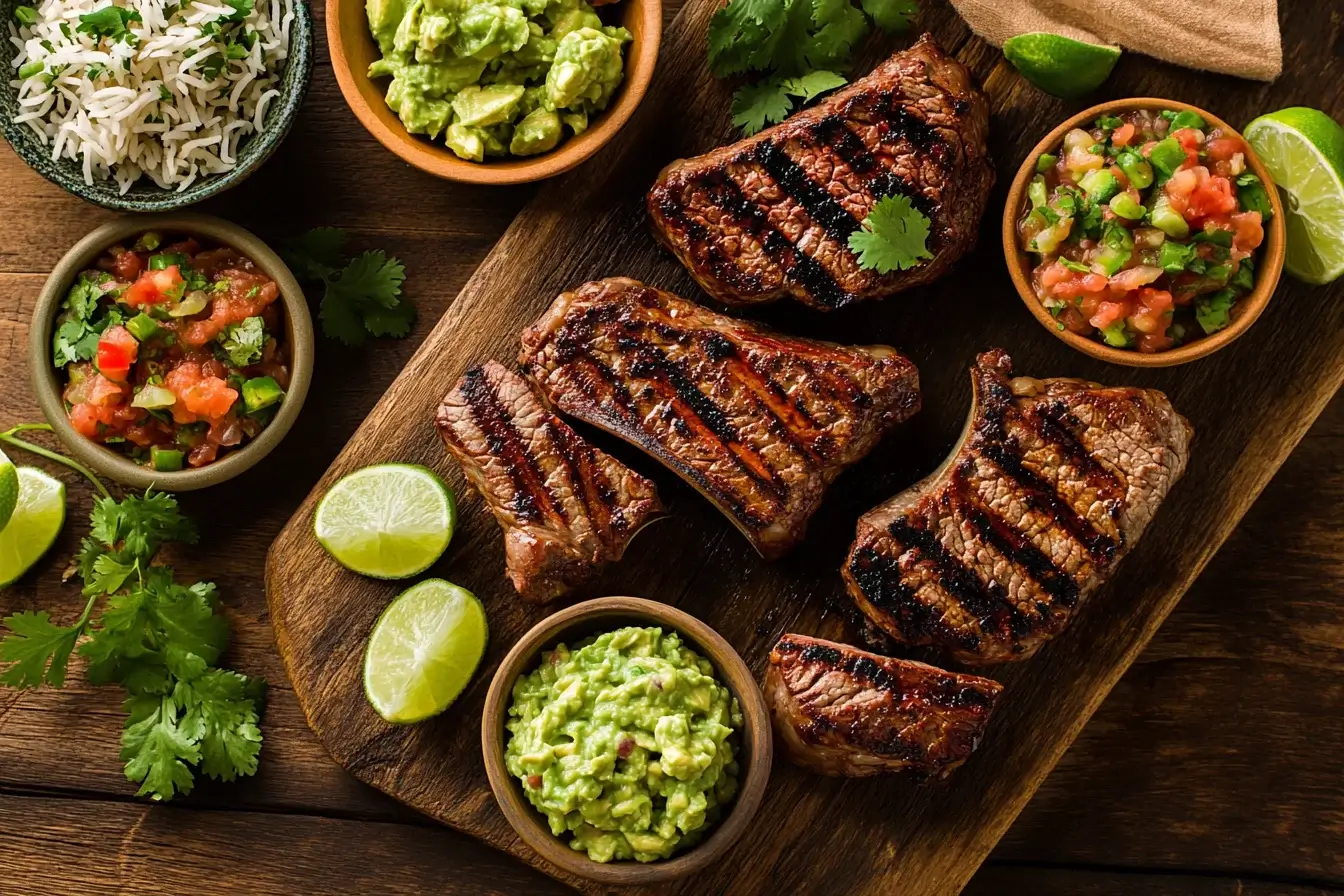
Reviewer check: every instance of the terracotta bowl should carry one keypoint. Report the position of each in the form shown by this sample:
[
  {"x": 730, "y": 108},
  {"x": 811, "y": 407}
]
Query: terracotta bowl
[
  {"x": 1268, "y": 267},
  {"x": 353, "y": 49},
  {"x": 590, "y": 618},
  {"x": 47, "y": 383}
]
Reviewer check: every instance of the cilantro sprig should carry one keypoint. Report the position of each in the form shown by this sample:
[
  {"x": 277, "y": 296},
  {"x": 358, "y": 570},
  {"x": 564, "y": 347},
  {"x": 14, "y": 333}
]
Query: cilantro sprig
[
  {"x": 796, "y": 46},
  {"x": 894, "y": 236},
  {"x": 361, "y": 295},
  {"x": 158, "y": 639}
]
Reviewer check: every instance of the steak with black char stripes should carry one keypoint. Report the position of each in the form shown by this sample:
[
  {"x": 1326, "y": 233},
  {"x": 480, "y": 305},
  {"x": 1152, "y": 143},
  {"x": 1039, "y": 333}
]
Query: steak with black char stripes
[
  {"x": 771, "y": 216},
  {"x": 758, "y": 422},
  {"x": 839, "y": 710},
  {"x": 1053, "y": 482},
  {"x": 566, "y": 508}
]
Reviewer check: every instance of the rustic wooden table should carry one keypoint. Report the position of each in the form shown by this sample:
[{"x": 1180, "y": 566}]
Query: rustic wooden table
[{"x": 1216, "y": 766}]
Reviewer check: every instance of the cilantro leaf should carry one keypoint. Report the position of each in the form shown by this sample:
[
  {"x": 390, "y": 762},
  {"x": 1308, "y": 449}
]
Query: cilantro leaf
[
  {"x": 38, "y": 650},
  {"x": 372, "y": 277},
  {"x": 142, "y": 524},
  {"x": 361, "y": 296},
  {"x": 894, "y": 236},
  {"x": 219, "y": 704},
  {"x": 342, "y": 321},
  {"x": 892, "y": 15},
  {"x": 109, "y": 21},
  {"x": 243, "y": 342},
  {"x": 186, "y": 620},
  {"x": 756, "y": 105},
  {"x": 813, "y": 84},
  {"x": 316, "y": 254},
  {"x": 157, "y": 746},
  {"x": 109, "y": 573},
  {"x": 76, "y": 336},
  {"x": 241, "y": 10},
  {"x": 840, "y": 26},
  {"x": 396, "y": 321},
  {"x": 742, "y": 35}
]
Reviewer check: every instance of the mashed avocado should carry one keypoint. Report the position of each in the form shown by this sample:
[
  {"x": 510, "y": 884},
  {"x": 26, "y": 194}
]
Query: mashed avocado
[
  {"x": 496, "y": 78},
  {"x": 625, "y": 743}
]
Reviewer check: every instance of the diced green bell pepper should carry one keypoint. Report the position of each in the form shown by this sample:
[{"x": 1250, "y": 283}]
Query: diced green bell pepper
[
  {"x": 1167, "y": 219},
  {"x": 143, "y": 327},
  {"x": 1188, "y": 119},
  {"x": 1115, "y": 335},
  {"x": 1127, "y": 207},
  {"x": 261, "y": 392},
  {"x": 1167, "y": 156},
  {"x": 1045, "y": 162},
  {"x": 1100, "y": 184},
  {"x": 166, "y": 460},
  {"x": 165, "y": 260},
  {"x": 1213, "y": 312},
  {"x": 1036, "y": 192},
  {"x": 1136, "y": 168}
]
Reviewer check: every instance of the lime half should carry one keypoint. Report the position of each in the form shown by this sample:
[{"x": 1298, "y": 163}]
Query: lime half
[
  {"x": 423, "y": 651},
  {"x": 1304, "y": 151},
  {"x": 1061, "y": 65},
  {"x": 9, "y": 489},
  {"x": 38, "y": 518},
  {"x": 391, "y": 521}
]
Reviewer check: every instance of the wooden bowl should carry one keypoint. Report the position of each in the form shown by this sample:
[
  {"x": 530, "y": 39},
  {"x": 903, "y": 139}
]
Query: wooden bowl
[
  {"x": 1269, "y": 267},
  {"x": 47, "y": 383},
  {"x": 589, "y": 618},
  {"x": 353, "y": 49}
]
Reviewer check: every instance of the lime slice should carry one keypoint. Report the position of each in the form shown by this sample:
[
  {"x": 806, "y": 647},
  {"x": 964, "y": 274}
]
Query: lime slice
[
  {"x": 9, "y": 488},
  {"x": 423, "y": 651},
  {"x": 37, "y": 520},
  {"x": 390, "y": 521},
  {"x": 1304, "y": 151},
  {"x": 1061, "y": 65}
]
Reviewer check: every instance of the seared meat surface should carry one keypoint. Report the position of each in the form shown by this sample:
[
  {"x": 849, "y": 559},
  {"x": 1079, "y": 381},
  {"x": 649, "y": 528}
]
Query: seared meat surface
[
  {"x": 771, "y": 216},
  {"x": 566, "y": 508},
  {"x": 1053, "y": 482},
  {"x": 839, "y": 710},
  {"x": 759, "y": 422}
]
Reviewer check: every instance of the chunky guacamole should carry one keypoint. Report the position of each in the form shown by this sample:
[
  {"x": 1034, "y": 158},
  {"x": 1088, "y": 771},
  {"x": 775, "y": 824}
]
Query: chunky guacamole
[
  {"x": 626, "y": 743},
  {"x": 496, "y": 77}
]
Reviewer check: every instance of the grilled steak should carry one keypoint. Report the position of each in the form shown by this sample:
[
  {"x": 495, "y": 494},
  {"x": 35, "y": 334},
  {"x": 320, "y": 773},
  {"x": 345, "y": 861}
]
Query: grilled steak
[
  {"x": 839, "y": 710},
  {"x": 759, "y": 422},
  {"x": 1053, "y": 482},
  {"x": 565, "y": 507},
  {"x": 771, "y": 216}
]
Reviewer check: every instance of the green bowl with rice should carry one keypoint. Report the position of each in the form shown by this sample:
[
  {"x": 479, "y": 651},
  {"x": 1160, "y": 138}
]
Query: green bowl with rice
[{"x": 138, "y": 129}]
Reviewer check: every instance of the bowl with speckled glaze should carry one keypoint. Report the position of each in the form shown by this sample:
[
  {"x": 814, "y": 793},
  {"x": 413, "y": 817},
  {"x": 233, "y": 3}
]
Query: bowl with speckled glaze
[{"x": 145, "y": 195}]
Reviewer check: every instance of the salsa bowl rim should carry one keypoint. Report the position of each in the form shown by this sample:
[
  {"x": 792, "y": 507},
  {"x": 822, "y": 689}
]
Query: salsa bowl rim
[
  {"x": 754, "y": 757},
  {"x": 46, "y": 379},
  {"x": 1269, "y": 267}
]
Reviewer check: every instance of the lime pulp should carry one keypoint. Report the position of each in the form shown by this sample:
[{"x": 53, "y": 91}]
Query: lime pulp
[
  {"x": 1061, "y": 65},
  {"x": 423, "y": 651},
  {"x": 38, "y": 518},
  {"x": 390, "y": 521},
  {"x": 9, "y": 489},
  {"x": 1304, "y": 152}
]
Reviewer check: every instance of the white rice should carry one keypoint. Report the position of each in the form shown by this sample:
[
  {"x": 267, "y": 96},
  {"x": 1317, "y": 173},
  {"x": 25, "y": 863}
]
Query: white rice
[{"x": 166, "y": 102}]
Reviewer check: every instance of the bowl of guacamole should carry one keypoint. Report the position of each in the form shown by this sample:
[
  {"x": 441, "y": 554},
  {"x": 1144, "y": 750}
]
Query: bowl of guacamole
[
  {"x": 622, "y": 736},
  {"x": 494, "y": 91}
]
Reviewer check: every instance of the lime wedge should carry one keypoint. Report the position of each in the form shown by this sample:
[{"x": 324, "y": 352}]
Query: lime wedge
[
  {"x": 37, "y": 520},
  {"x": 390, "y": 521},
  {"x": 423, "y": 651},
  {"x": 9, "y": 488},
  {"x": 1304, "y": 151},
  {"x": 1061, "y": 65}
]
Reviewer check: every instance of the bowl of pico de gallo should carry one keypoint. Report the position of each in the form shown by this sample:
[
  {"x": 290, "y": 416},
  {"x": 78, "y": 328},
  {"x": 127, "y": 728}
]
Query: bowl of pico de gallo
[
  {"x": 172, "y": 351},
  {"x": 1144, "y": 232}
]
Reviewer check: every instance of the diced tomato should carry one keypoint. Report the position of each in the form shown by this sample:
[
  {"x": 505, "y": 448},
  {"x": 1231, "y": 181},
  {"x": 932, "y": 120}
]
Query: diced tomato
[
  {"x": 1107, "y": 314},
  {"x": 1053, "y": 274},
  {"x": 211, "y": 398},
  {"x": 117, "y": 350},
  {"x": 1094, "y": 282},
  {"x": 84, "y": 418},
  {"x": 249, "y": 294},
  {"x": 1145, "y": 321},
  {"x": 1088, "y": 304},
  {"x": 1074, "y": 322},
  {"x": 1223, "y": 149},
  {"x": 1069, "y": 289},
  {"x": 202, "y": 455},
  {"x": 1190, "y": 141},
  {"x": 104, "y": 393},
  {"x": 1150, "y": 344},
  {"x": 1181, "y": 185},
  {"x": 127, "y": 266},
  {"x": 1132, "y": 279},
  {"x": 1158, "y": 301},
  {"x": 1123, "y": 134},
  {"x": 155, "y": 287},
  {"x": 1215, "y": 196},
  {"x": 1248, "y": 231}
]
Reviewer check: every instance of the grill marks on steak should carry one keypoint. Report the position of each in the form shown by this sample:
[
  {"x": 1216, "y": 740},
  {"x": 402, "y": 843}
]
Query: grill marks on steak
[
  {"x": 566, "y": 508},
  {"x": 759, "y": 422},
  {"x": 839, "y": 710},
  {"x": 1053, "y": 482},
  {"x": 771, "y": 216}
]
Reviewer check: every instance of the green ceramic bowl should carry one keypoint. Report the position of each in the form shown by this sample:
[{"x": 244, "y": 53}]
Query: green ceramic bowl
[
  {"x": 47, "y": 382},
  {"x": 145, "y": 196}
]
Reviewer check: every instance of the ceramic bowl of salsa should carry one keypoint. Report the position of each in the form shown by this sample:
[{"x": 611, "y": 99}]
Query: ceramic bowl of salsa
[
  {"x": 172, "y": 351},
  {"x": 574, "y": 627},
  {"x": 1144, "y": 232}
]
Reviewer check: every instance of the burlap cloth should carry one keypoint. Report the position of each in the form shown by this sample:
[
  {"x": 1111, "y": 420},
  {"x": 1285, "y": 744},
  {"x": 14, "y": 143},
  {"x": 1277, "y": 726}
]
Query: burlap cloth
[{"x": 1235, "y": 37}]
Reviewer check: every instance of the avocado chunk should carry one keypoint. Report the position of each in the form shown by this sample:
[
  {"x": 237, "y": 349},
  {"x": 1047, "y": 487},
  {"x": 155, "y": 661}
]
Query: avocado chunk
[
  {"x": 261, "y": 392},
  {"x": 538, "y": 132},
  {"x": 384, "y": 17},
  {"x": 483, "y": 106},
  {"x": 166, "y": 460}
]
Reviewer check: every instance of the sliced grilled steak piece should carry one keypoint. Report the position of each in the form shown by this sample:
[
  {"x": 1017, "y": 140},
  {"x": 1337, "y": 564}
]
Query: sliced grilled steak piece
[
  {"x": 840, "y": 710},
  {"x": 759, "y": 422},
  {"x": 991, "y": 556},
  {"x": 565, "y": 507},
  {"x": 771, "y": 216}
]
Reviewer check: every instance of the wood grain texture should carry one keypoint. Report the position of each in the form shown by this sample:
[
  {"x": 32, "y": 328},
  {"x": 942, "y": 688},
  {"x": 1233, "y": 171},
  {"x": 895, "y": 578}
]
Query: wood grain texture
[{"x": 1250, "y": 405}]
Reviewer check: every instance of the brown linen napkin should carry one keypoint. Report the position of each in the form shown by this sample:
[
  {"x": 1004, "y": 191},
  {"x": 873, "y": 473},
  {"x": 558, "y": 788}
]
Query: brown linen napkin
[{"x": 1235, "y": 37}]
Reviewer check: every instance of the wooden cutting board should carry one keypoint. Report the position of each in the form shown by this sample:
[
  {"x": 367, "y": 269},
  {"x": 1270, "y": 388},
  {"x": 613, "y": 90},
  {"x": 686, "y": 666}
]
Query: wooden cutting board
[{"x": 1250, "y": 404}]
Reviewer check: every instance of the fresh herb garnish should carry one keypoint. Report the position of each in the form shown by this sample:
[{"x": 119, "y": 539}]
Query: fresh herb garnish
[
  {"x": 362, "y": 295},
  {"x": 796, "y": 45},
  {"x": 894, "y": 236},
  {"x": 241, "y": 10},
  {"x": 109, "y": 22},
  {"x": 243, "y": 342},
  {"x": 80, "y": 322},
  {"x": 26, "y": 15}
]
